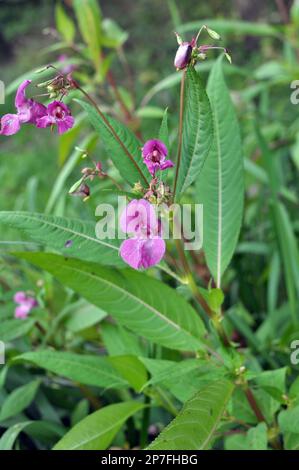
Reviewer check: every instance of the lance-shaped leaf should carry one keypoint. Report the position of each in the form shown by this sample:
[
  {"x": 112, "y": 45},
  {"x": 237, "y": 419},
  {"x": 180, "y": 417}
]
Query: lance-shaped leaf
[
  {"x": 125, "y": 152},
  {"x": 97, "y": 431},
  {"x": 146, "y": 306},
  {"x": 220, "y": 186},
  {"x": 68, "y": 236},
  {"x": 197, "y": 131},
  {"x": 195, "y": 426},
  {"x": 86, "y": 369}
]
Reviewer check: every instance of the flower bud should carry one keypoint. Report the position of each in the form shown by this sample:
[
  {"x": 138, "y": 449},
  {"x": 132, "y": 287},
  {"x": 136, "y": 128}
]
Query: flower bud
[{"x": 183, "y": 55}]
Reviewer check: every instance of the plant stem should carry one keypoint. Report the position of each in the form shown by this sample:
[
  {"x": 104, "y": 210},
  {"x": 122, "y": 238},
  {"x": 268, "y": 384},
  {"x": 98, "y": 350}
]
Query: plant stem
[
  {"x": 101, "y": 114},
  {"x": 254, "y": 405},
  {"x": 178, "y": 162}
]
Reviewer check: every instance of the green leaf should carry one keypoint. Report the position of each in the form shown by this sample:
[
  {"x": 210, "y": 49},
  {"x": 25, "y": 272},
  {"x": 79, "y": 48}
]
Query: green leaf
[
  {"x": 113, "y": 36},
  {"x": 86, "y": 369},
  {"x": 127, "y": 157},
  {"x": 119, "y": 341},
  {"x": 288, "y": 420},
  {"x": 164, "y": 132},
  {"x": 38, "y": 429},
  {"x": 56, "y": 231},
  {"x": 64, "y": 24},
  {"x": 195, "y": 426},
  {"x": 13, "y": 329},
  {"x": 197, "y": 131},
  {"x": 89, "y": 18},
  {"x": 146, "y": 306},
  {"x": 97, "y": 431},
  {"x": 83, "y": 315},
  {"x": 7, "y": 439},
  {"x": 18, "y": 400},
  {"x": 131, "y": 369},
  {"x": 256, "y": 438},
  {"x": 221, "y": 183}
]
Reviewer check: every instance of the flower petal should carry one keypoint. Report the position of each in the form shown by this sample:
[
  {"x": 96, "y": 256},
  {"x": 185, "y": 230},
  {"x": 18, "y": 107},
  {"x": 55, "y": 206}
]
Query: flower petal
[
  {"x": 22, "y": 311},
  {"x": 139, "y": 218},
  {"x": 10, "y": 124},
  {"x": 20, "y": 99},
  {"x": 20, "y": 297}
]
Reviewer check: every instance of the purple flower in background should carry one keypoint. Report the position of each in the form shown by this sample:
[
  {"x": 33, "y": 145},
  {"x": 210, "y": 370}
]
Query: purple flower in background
[
  {"x": 142, "y": 252},
  {"x": 68, "y": 68},
  {"x": 57, "y": 114},
  {"x": 154, "y": 155},
  {"x": 28, "y": 111},
  {"x": 25, "y": 304},
  {"x": 146, "y": 248}
]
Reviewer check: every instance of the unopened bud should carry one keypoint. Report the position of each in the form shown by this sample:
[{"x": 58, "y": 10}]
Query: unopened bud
[{"x": 183, "y": 55}]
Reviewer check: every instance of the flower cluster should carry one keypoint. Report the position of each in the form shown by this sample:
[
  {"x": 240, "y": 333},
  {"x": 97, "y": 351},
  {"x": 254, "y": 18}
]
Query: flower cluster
[
  {"x": 32, "y": 112},
  {"x": 25, "y": 304},
  {"x": 146, "y": 248},
  {"x": 190, "y": 52}
]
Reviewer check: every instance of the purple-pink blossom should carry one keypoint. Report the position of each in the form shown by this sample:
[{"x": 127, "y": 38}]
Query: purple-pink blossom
[
  {"x": 24, "y": 303},
  {"x": 28, "y": 111},
  {"x": 154, "y": 154},
  {"x": 146, "y": 248},
  {"x": 58, "y": 114}
]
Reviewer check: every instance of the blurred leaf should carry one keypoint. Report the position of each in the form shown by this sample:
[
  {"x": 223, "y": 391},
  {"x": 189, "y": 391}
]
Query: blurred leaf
[
  {"x": 150, "y": 112},
  {"x": 113, "y": 35},
  {"x": 195, "y": 426},
  {"x": 288, "y": 420},
  {"x": 7, "y": 439},
  {"x": 89, "y": 18},
  {"x": 144, "y": 305},
  {"x": 13, "y": 329},
  {"x": 18, "y": 400},
  {"x": 232, "y": 27},
  {"x": 86, "y": 369},
  {"x": 80, "y": 412},
  {"x": 83, "y": 315},
  {"x": 197, "y": 131},
  {"x": 97, "y": 431},
  {"x": 64, "y": 24},
  {"x": 220, "y": 187}
]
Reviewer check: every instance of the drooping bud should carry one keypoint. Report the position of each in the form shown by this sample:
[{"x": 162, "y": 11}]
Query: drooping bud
[{"x": 183, "y": 55}]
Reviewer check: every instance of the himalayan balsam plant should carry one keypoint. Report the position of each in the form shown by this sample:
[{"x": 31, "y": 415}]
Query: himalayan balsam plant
[{"x": 166, "y": 340}]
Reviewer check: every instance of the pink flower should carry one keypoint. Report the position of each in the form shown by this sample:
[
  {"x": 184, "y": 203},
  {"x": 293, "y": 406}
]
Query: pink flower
[
  {"x": 142, "y": 252},
  {"x": 57, "y": 114},
  {"x": 139, "y": 218},
  {"x": 146, "y": 248},
  {"x": 25, "y": 304},
  {"x": 28, "y": 111},
  {"x": 154, "y": 155}
]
